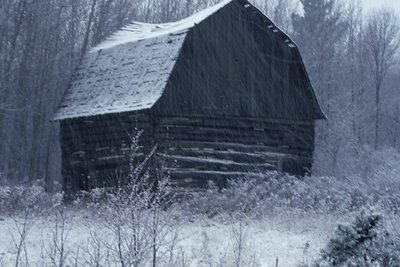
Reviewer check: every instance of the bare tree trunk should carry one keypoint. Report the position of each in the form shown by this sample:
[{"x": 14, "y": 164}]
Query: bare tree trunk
[
  {"x": 85, "y": 44},
  {"x": 377, "y": 115},
  {"x": 382, "y": 38}
]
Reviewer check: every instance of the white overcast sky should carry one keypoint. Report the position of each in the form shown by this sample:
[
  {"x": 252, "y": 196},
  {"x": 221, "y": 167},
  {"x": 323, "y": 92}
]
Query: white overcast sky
[
  {"x": 371, "y": 4},
  {"x": 376, "y": 3}
]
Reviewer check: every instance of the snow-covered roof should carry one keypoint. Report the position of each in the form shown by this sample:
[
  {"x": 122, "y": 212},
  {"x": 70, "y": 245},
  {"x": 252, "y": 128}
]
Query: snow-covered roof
[
  {"x": 139, "y": 31},
  {"x": 130, "y": 70},
  {"x": 127, "y": 77}
]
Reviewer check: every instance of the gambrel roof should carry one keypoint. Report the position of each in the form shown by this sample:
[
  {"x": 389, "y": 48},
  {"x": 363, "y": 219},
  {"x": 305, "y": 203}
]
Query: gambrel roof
[{"x": 130, "y": 70}]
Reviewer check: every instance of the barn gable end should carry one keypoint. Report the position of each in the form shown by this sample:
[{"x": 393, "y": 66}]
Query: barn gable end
[
  {"x": 238, "y": 63},
  {"x": 222, "y": 94}
]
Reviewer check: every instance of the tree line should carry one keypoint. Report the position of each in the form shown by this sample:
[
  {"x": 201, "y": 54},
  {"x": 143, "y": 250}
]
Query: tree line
[
  {"x": 352, "y": 58},
  {"x": 350, "y": 55}
]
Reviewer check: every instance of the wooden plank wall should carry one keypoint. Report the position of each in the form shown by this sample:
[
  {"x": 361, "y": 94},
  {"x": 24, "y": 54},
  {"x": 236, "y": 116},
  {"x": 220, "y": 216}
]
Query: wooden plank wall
[
  {"x": 197, "y": 150},
  {"x": 194, "y": 150},
  {"x": 96, "y": 151}
]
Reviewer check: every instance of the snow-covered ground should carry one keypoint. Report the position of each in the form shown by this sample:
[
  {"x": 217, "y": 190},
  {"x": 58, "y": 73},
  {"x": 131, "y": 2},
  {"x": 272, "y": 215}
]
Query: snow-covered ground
[{"x": 291, "y": 239}]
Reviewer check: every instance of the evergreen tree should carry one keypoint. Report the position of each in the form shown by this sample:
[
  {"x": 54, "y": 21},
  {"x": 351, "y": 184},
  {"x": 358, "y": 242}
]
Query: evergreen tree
[
  {"x": 363, "y": 242},
  {"x": 319, "y": 33}
]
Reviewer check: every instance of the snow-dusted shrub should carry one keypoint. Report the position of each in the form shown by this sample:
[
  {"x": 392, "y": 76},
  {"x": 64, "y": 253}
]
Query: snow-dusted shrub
[
  {"x": 378, "y": 166},
  {"x": 17, "y": 198},
  {"x": 57, "y": 251},
  {"x": 134, "y": 213},
  {"x": 363, "y": 242},
  {"x": 380, "y": 171},
  {"x": 91, "y": 199},
  {"x": 140, "y": 227},
  {"x": 274, "y": 193}
]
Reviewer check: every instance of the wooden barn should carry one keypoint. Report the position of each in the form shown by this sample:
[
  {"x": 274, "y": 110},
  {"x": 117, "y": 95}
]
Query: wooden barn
[{"x": 222, "y": 94}]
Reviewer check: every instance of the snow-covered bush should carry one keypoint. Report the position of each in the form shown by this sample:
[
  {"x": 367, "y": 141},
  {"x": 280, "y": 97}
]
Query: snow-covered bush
[
  {"x": 17, "y": 198},
  {"x": 277, "y": 193},
  {"x": 378, "y": 166},
  {"x": 363, "y": 242}
]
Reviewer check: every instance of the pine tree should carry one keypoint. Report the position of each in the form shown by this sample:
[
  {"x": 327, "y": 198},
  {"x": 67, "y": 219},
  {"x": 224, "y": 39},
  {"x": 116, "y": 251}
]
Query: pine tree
[
  {"x": 349, "y": 239},
  {"x": 363, "y": 242},
  {"x": 317, "y": 32}
]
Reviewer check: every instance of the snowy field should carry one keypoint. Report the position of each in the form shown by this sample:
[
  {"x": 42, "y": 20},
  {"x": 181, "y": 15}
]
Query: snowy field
[
  {"x": 290, "y": 239},
  {"x": 276, "y": 220}
]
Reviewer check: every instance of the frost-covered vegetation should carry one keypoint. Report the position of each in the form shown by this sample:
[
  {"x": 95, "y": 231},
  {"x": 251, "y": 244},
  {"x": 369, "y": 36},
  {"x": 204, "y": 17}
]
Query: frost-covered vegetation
[
  {"x": 32, "y": 197},
  {"x": 362, "y": 242},
  {"x": 376, "y": 181},
  {"x": 278, "y": 219}
]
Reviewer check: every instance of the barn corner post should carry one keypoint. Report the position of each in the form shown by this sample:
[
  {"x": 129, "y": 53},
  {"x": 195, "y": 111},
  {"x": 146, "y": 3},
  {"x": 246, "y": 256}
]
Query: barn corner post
[
  {"x": 155, "y": 164},
  {"x": 66, "y": 142}
]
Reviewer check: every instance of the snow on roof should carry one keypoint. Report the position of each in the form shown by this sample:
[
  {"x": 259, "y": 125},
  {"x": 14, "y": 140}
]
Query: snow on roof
[
  {"x": 130, "y": 77},
  {"x": 130, "y": 70},
  {"x": 138, "y": 31}
]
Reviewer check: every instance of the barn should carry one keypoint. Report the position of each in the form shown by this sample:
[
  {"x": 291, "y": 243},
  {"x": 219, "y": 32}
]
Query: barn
[{"x": 221, "y": 94}]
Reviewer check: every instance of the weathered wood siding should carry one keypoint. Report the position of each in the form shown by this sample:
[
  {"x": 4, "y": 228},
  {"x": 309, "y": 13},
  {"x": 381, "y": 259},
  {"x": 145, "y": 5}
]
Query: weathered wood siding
[
  {"x": 201, "y": 149},
  {"x": 194, "y": 150},
  {"x": 96, "y": 150}
]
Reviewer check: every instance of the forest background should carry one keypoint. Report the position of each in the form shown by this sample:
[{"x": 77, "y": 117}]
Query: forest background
[{"x": 351, "y": 56}]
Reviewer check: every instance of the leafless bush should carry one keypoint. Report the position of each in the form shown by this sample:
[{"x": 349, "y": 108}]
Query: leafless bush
[
  {"x": 16, "y": 198},
  {"x": 239, "y": 242},
  {"x": 75, "y": 258},
  {"x": 274, "y": 193},
  {"x": 139, "y": 225},
  {"x": 57, "y": 251},
  {"x": 178, "y": 258},
  {"x": 19, "y": 240},
  {"x": 205, "y": 253},
  {"x": 95, "y": 253},
  {"x": 243, "y": 253},
  {"x": 24, "y": 203},
  {"x": 135, "y": 216}
]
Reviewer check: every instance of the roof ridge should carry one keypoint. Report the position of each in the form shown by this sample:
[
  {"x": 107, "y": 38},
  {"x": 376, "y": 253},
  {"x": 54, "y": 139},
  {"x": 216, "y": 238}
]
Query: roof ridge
[{"x": 137, "y": 31}]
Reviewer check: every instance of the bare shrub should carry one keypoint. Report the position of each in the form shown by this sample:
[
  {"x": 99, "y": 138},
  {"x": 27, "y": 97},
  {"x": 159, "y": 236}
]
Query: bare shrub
[
  {"x": 178, "y": 258},
  {"x": 24, "y": 203},
  {"x": 205, "y": 253},
  {"x": 243, "y": 253},
  {"x": 32, "y": 196},
  {"x": 275, "y": 193},
  {"x": 57, "y": 250},
  {"x": 138, "y": 223},
  {"x": 19, "y": 240},
  {"x": 134, "y": 213},
  {"x": 95, "y": 253},
  {"x": 239, "y": 242}
]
